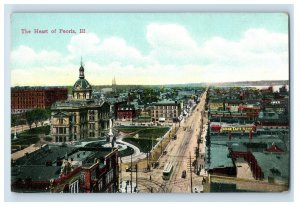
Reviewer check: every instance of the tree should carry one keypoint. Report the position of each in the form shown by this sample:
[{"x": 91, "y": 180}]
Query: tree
[
  {"x": 29, "y": 118},
  {"x": 44, "y": 115},
  {"x": 13, "y": 120},
  {"x": 37, "y": 115},
  {"x": 40, "y": 115}
]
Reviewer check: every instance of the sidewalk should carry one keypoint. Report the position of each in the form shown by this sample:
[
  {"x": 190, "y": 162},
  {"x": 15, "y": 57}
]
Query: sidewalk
[{"x": 21, "y": 153}]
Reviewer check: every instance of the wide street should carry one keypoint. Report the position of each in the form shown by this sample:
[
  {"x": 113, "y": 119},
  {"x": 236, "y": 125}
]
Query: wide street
[{"x": 181, "y": 153}]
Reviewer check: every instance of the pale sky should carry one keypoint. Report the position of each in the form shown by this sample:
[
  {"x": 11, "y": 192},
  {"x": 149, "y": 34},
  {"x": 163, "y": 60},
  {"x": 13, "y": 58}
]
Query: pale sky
[{"x": 152, "y": 48}]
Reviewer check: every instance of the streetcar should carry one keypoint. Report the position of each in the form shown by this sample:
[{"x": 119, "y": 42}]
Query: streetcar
[{"x": 167, "y": 171}]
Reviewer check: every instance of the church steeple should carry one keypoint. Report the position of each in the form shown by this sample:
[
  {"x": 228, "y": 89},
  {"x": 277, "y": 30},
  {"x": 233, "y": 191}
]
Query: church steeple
[
  {"x": 81, "y": 70},
  {"x": 114, "y": 84}
]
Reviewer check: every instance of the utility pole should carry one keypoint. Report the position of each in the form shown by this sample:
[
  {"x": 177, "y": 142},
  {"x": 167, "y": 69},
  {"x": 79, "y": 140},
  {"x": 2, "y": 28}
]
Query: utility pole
[
  {"x": 151, "y": 149},
  {"x": 121, "y": 170},
  {"x": 131, "y": 173},
  {"x": 136, "y": 177},
  {"x": 191, "y": 173},
  {"x": 147, "y": 160}
]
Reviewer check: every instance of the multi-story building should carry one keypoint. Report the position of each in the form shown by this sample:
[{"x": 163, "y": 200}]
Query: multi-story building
[
  {"x": 166, "y": 111},
  {"x": 248, "y": 134},
  {"x": 27, "y": 98},
  {"x": 216, "y": 105},
  {"x": 61, "y": 169},
  {"x": 81, "y": 117},
  {"x": 125, "y": 112}
]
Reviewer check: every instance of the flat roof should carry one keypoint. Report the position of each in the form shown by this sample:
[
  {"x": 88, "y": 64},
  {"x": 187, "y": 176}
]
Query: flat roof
[
  {"x": 39, "y": 157},
  {"x": 166, "y": 102},
  {"x": 220, "y": 145},
  {"x": 241, "y": 143},
  {"x": 218, "y": 156},
  {"x": 274, "y": 165},
  {"x": 37, "y": 173}
]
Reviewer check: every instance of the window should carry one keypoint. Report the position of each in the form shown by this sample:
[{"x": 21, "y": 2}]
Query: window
[
  {"x": 91, "y": 115},
  {"x": 74, "y": 187},
  {"x": 100, "y": 184},
  {"x": 62, "y": 130},
  {"x": 109, "y": 176},
  {"x": 61, "y": 121},
  {"x": 82, "y": 178}
]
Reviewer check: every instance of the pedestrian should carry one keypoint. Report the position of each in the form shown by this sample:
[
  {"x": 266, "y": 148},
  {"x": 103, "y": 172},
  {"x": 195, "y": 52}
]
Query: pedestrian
[{"x": 150, "y": 177}]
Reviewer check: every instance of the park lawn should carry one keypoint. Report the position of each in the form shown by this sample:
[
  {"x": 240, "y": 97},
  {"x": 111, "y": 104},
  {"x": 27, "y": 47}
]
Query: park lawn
[
  {"x": 153, "y": 131},
  {"x": 35, "y": 131},
  {"x": 29, "y": 137},
  {"x": 128, "y": 151},
  {"x": 38, "y": 130},
  {"x": 144, "y": 131},
  {"x": 25, "y": 140},
  {"x": 145, "y": 136},
  {"x": 145, "y": 145},
  {"x": 129, "y": 129}
]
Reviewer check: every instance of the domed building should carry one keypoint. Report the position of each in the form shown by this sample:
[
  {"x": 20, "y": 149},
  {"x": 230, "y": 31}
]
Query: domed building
[
  {"x": 81, "y": 117},
  {"x": 82, "y": 90}
]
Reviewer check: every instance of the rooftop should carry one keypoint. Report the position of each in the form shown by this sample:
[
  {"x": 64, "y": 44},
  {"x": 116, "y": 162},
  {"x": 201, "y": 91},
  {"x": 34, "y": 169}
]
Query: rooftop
[
  {"x": 166, "y": 102},
  {"x": 219, "y": 157},
  {"x": 41, "y": 156},
  {"x": 37, "y": 173},
  {"x": 75, "y": 104},
  {"x": 34, "y": 165},
  {"x": 82, "y": 84},
  {"x": 273, "y": 165}
]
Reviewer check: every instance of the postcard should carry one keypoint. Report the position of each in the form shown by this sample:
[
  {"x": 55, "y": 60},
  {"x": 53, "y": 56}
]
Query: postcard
[{"x": 150, "y": 102}]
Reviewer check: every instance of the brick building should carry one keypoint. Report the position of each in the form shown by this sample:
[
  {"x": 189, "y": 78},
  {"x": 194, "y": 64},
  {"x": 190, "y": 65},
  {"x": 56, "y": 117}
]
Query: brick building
[
  {"x": 60, "y": 169},
  {"x": 125, "y": 111},
  {"x": 26, "y": 98},
  {"x": 166, "y": 111}
]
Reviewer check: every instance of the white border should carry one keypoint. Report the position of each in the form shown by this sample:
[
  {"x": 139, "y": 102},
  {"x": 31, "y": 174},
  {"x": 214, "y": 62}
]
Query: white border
[{"x": 262, "y": 197}]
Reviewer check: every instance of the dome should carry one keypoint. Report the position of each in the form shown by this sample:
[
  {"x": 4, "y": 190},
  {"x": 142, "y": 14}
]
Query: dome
[
  {"x": 82, "y": 84},
  {"x": 82, "y": 89}
]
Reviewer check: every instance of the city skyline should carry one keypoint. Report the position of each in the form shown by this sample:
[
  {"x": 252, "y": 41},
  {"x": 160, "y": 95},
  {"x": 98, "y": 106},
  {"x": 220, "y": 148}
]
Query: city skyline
[{"x": 140, "y": 49}]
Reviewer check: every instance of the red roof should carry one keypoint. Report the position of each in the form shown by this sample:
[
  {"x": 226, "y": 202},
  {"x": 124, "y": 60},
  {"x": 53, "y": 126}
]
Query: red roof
[{"x": 274, "y": 148}]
